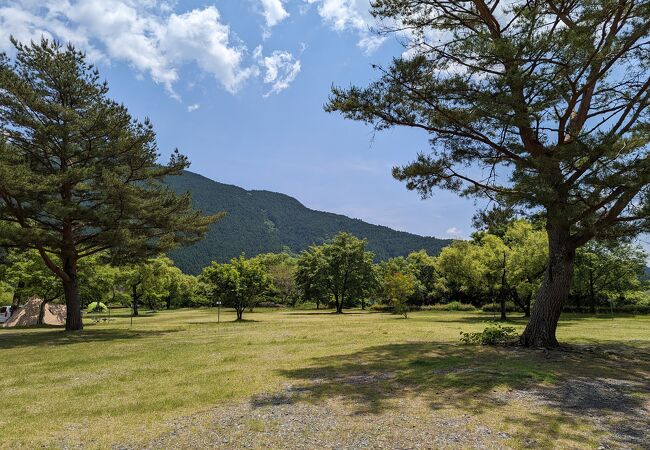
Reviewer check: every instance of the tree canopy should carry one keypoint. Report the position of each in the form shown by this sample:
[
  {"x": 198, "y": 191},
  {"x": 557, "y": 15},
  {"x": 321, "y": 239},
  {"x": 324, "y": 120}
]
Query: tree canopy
[{"x": 340, "y": 268}]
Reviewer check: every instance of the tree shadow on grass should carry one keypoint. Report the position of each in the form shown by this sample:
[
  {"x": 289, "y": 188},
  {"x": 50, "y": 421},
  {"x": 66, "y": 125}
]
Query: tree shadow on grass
[
  {"x": 565, "y": 384},
  {"x": 43, "y": 337}
]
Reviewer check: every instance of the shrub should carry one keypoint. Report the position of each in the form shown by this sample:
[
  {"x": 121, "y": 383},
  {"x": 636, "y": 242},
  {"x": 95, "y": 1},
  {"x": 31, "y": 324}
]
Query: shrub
[
  {"x": 491, "y": 335},
  {"x": 97, "y": 307},
  {"x": 453, "y": 306},
  {"x": 496, "y": 307}
]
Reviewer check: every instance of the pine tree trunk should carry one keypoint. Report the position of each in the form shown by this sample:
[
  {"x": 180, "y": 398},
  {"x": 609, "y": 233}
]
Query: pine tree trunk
[
  {"x": 552, "y": 294},
  {"x": 73, "y": 305}
]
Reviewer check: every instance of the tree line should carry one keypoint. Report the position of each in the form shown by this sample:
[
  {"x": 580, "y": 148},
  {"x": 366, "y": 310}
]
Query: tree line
[{"x": 497, "y": 270}]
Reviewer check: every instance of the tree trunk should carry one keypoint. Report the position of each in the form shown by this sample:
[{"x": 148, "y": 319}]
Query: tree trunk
[
  {"x": 15, "y": 302},
  {"x": 134, "y": 298},
  {"x": 168, "y": 302},
  {"x": 592, "y": 297},
  {"x": 73, "y": 305},
  {"x": 338, "y": 304},
  {"x": 41, "y": 312},
  {"x": 503, "y": 289},
  {"x": 240, "y": 313},
  {"x": 528, "y": 302},
  {"x": 317, "y": 304},
  {"x": 545, "y": 314}
]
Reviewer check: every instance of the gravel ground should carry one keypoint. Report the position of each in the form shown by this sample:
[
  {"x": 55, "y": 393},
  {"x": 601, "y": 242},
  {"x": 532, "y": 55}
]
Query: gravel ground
[
  {"x": 328, "y": 426},
  {"x": 285, "y": 420}
]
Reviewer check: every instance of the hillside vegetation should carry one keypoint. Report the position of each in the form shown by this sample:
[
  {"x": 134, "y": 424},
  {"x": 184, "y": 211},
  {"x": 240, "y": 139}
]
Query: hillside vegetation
[{"x": 262, "y": 222}]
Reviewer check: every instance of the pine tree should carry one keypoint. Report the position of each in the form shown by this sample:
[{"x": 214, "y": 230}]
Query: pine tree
[
  {"x": 78, "y": 175},
  {"x": 540, "y": 105}
]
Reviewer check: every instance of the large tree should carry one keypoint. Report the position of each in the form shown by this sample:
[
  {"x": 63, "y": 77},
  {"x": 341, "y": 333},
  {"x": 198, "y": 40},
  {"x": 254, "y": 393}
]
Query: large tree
[
  {"x": 538, "y": 104},
  {"x": 78, "y": 175},
  {"x": 239, "y": 284},
  {"x": 341, "y": 267}
]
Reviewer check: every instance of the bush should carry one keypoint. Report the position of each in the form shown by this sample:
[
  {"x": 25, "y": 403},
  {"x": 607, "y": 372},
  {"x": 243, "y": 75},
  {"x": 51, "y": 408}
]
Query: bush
[
  {"x": 381, "y": 307},
  {"x": 496, "y": 307},
  {"x": 97, "y": 307},
  {"x": 491, "y": 335},
  {"x": 453, "y": 306}
]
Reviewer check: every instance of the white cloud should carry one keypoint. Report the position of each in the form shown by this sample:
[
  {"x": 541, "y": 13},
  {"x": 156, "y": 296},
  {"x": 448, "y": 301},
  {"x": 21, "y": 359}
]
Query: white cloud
[
  {"x": 281, "y": 69},
  {"x": 146, "y": 34},
  {"x": 453, "y": 231},
  {"x": 193, "y": 107},
  {"x": 355, "y": 15},
  {"x": 273, "y": 12}
]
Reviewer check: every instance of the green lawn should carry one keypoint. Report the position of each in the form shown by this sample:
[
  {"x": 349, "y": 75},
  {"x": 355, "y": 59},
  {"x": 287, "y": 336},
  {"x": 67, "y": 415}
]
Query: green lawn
[{"x": 116, "y": 383}]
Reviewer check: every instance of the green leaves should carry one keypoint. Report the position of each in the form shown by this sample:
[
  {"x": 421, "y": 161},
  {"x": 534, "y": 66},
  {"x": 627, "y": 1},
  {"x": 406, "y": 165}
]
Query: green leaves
[
  {"x": 74, "y": 162},
  {"x": 239, "y": 284},
  {"x": 340, "y": 269}
]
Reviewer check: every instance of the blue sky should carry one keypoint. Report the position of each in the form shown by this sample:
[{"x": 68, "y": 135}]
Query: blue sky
[{"x": 239, "y": 87}]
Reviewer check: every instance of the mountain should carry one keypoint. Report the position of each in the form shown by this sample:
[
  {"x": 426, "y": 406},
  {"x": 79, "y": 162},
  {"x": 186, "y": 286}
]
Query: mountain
[{"x": 262, "y": 221}]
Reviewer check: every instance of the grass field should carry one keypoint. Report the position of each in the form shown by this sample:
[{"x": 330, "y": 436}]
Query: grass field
[{"x": 179, "y": 379}]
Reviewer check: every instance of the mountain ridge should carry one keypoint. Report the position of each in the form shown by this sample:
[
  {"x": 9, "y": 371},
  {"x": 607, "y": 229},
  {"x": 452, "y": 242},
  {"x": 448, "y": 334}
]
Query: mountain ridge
[{"x": 262, "y": 221}]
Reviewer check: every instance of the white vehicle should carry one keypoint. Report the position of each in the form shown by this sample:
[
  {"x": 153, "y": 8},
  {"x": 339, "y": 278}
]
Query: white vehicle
[{"x": 5, "y": 313}]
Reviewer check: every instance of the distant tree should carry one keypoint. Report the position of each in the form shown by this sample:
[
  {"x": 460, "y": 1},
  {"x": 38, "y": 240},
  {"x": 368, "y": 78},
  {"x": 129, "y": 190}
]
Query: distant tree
[
  {"x": 528, "y": 257},
  {"x": 341, "y": 267},
  {"x": 494, "y": 256},
  {"x": 239, "y": 284},
  {"x": 78, "y": 175},
  {"x": 423, "y": 266},
  {"x": 148, "y": 282},
  {"x": 28, "y": 276},
  {"x": 397, "y": 287},
  {"x": 541, "y": 105},
  {"x": 462, "y": 273},
  {"x": 606, "y": 269},
  {"x": 281, "y": 269},
  {"x": 308, "y": 276},
  {"x": 181, "y": 289}
]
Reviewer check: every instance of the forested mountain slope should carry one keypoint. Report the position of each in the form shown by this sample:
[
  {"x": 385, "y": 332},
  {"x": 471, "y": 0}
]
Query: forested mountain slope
[{"x": 263, "y": 221}]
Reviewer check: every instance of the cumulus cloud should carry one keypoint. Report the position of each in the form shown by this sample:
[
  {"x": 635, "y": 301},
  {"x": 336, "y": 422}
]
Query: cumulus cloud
[
  {"x": 343, "y": 15},
  {"x": 194, "y": 107},
  {"x": 280, "y": 69},
  {"x": 273, "y": 12},
  {"x": 146, "y": 34}
]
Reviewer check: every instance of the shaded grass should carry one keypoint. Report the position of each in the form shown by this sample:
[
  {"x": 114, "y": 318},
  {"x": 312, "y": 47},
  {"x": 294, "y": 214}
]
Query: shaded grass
[{"x": 74, "y": 387}]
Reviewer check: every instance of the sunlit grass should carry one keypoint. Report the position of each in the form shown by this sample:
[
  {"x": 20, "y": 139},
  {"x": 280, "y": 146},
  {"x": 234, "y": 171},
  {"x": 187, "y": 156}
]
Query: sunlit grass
[{"x": 115, "y": 382}]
